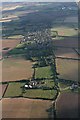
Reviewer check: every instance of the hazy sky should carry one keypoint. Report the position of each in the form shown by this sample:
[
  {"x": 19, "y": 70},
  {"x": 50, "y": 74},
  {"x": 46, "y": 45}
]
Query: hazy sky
[{"x": 39, "y": 0}]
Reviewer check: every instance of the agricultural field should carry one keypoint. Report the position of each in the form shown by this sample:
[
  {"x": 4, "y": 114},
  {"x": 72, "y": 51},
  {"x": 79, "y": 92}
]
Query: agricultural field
[
  {"x": 43, "y": 72},
  {"x": 71, "y": 42},
  {"x": 71, "y": 19},
  {"x": 16, "y": 37},
  {"x": 4, "y": 87},
  {"x": 65, "y": 31},
  {"x": 0, "y": 71},
  {"x": 67, "y": 69},
  {"x": 66, "y": 52},
  {"x": 15, "y": 89},
  {"x": 41, "y": 94},
  {"x": 26, "y": 108},
  {"x": 67, "y": 105},
  {"x": 30, "y": 85},
  {"x": 63, "y": 86},
  {"x": 8, "y": 44},
  {"x": 16, "y": 69}
]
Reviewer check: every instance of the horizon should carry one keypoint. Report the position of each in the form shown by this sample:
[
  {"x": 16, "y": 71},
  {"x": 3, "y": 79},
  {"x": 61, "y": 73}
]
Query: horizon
[{"x": 39, "y": 1}]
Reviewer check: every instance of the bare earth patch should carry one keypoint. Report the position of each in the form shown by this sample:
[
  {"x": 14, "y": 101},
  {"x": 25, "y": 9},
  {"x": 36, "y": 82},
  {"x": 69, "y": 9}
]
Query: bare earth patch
[
  {"x": 25, "y": 108},
  {"x": 16, "y": 69}
]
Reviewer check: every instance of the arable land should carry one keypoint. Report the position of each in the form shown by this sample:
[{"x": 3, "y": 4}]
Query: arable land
[
  {"x": 66, "y": 53},
  {"x": 8, "y": 44},
  {"x": 4, "y": 87},
  {"x": 67, "y": 69},
  {"x": 26, "y": 108},
  {"x": 68, "y": 42},
  {"x": 15, "y": 69},
  {"x": 40, "y": 58},
  {"x": 67, "y": 105}
]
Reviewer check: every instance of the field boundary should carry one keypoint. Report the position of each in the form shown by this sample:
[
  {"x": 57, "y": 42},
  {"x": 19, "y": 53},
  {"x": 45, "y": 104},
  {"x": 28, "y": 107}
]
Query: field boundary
[
  {"x": 68, "y": 58},
  {"x": 76, "y": 51},
  {"x": 5, "y": 90},
  {"x": 30, "y": 98}
]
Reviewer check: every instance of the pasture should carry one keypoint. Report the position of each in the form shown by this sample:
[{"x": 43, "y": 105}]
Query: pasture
[
  {"x": 26, "y": 108},
  {"x": 15, "y": 37},
  {"x": 16, "y": 69},
  {"x": 41, "y": 94},
  {"x": 15, "y": 89},
  {"x": 43, "y": 72},
  {"x": 67, "y": 69},
  {"x": 65, "y": 31}
]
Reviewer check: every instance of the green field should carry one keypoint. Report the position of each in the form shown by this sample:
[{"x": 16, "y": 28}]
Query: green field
[
  {"x": 63, "y": 85},
  {"x": 15, "y": 89},
  {"x": 39, "y": 93},
  {"x": 15, "y": 36},
  {"x": 49, "y": 83},
  {"x": 43, "y": 72},
  {"x": 64, "y": 31}
]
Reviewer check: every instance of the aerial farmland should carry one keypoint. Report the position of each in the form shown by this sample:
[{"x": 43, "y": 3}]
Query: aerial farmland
[{"x": 40, "y": 60}]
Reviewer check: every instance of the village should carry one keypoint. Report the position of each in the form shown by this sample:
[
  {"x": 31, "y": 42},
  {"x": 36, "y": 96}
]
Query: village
[{"x": 40, "y": 59}]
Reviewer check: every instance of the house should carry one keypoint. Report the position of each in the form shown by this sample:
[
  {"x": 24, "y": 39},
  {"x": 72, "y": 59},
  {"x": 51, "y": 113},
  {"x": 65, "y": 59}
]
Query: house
[
  {"x": 31, "y": 84},
  {"x": 73, "y": 86}
]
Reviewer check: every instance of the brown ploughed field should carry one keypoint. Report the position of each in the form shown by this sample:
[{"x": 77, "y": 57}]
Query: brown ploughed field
[
  {"x": 67, "y": 69},
  {"x": 4, "y": 86},
  {"x": 67, "y": 42},
  {"x": 66, "y": 53},
  {"x": 9, "y": 43},
  {"x": 16, "y": 69},
  {"x": 2, "y": 89},
  {"x": 67, "y": 105},
  {"x": 25, "y": 108}
]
